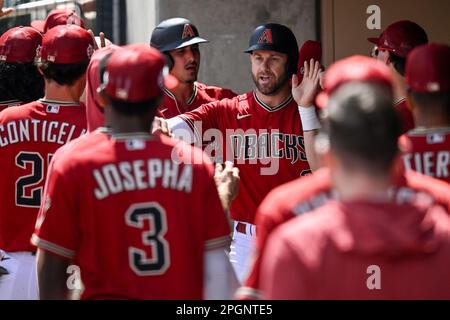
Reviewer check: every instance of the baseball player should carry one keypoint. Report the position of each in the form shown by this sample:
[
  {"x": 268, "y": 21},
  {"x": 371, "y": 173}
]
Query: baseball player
[
  {"x": 29, "y": 136},
  {"x": 20, "y": 80},
  {"x": 58, "y": 17},
  {"x": 428, "y": 79},
  {"x": 309, "y": 193},
  {"x": 376, "y": 237},
  {"x": 124, "y": 199},
  {"x": 392, "y": 48},
  {"x": 261, "y": 131},
  {"x": 179, "y": 40}
]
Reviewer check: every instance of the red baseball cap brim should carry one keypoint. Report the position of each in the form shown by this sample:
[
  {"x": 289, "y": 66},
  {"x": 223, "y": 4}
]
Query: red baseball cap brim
[{"x": 375, "y": 41}]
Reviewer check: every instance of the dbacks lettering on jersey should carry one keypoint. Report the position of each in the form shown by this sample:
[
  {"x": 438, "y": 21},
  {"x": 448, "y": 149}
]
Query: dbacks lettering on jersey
[
  {"x": 277, "y": 145},
  {"x": 127, "y": 176}
]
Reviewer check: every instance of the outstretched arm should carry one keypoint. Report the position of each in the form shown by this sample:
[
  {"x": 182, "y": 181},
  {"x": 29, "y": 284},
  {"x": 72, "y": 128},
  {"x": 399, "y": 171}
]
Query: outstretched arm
[{"x": 305, "y": 94}]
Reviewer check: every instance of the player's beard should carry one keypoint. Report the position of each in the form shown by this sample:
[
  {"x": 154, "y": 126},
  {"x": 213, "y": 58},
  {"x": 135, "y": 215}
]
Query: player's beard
[{"x": 273, "y": 87}]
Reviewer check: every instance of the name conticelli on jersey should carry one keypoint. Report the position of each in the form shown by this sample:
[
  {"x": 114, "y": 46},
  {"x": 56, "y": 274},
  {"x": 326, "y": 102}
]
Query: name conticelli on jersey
[
  {"x": 34, "y": 130},
  {"x": 126, "y": 176}
]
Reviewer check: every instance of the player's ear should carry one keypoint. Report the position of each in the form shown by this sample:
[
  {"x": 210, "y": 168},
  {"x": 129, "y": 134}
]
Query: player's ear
[{"x": 410, "y": 101}]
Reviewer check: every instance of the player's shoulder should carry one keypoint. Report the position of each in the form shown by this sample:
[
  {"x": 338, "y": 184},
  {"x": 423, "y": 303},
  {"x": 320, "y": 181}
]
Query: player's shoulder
[
  {"x": 185, "y": 153},
  {"x": 19, "y": 112},
  {"x": 215, "y": 92},
  {"x": 438, "y": 189},
  {"x": 311, "y": 232},
  {"x": 84, "y": 148},
  {"x": 293, "y": 194}
]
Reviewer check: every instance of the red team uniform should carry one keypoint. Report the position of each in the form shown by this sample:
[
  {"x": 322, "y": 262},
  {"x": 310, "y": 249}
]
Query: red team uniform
[
  {"x": 313, "y": 192},
  {"x": 156, "y": 215},
  {"x": 29, "y": 136},
  {"x": 202, "y": 94},
  {"x": 331, "y": 252},
  {"x": 279, "y": 139},
  {"x": 429, "y": 152}
]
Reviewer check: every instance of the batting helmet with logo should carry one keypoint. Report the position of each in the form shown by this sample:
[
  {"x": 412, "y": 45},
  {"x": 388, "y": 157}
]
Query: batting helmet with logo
[
  {"x": 175, "y": 33},
  {"x": 276, "y": 37}
]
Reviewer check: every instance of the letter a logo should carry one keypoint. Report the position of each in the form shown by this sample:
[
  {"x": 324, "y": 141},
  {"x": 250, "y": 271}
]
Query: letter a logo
[
  {"x": 188, "y": 32},
  {"x": 266, "y": 37}
]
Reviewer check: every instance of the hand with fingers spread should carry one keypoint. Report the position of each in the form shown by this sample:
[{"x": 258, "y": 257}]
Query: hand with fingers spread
[
  {"x": 6, "y": 11},
  {"x": 227, "y": 182},
  {"x": 305, "y": 93},
  {"x": 100, "y": 41}
]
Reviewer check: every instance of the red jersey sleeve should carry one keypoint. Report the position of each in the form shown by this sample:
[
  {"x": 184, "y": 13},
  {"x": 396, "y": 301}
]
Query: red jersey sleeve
[
  {"x": 55, "y": 226},
  {"x": 204, "y": 117}
]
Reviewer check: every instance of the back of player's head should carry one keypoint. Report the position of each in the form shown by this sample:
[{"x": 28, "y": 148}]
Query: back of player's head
[
  {"x": 399, "y": 39},
  {"x": 135, "y": 77},
  {"x": 278, "y": 38},
  {"x": 354, "y": 69},
  {"x": 19, "y": 77},
  {"x": 58, "y": 17},
  {"x": 363, "y": 126},
  {"x": 428, "y": 77},
  {"x": 65, "y": 53}
]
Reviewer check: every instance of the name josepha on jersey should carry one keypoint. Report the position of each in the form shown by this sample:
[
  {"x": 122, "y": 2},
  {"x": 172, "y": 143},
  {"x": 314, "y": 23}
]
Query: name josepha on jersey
[
  {"x": 36, "y": 130},
  {"x": 134, "y": 175}
]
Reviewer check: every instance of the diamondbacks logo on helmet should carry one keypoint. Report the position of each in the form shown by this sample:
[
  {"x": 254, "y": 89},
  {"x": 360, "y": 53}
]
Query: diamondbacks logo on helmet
[
  {"x": 188, "y": 32},
  {"x": 266, "y": 37}
]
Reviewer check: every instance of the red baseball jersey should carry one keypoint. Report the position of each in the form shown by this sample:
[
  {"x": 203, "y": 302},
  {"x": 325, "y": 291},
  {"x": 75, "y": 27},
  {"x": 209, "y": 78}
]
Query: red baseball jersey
[
  {"x": 11, "y": 103},
  {"x": 266, "y": 144},
  {"x": 385, "y": 250},
  {"x": 406, "y": 116},
  {"x": 202, "y": 94},
  {"x": 136, "y": 213},
  {"x": 29, "y": 136},
  {"x": 429, "y": 152},
  {"x": 306, "y": 195}
]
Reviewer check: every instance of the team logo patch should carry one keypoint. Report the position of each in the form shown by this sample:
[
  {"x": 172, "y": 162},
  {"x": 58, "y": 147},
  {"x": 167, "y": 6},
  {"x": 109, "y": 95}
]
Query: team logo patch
[
  {"x": 188, "y": 32},
  {"x": 3, "y": 57},
  {"x": 435, "y": 138},
  {"x": 266, "y": 37},
  {"x": 52, "y": 108},
  {"x": 135, "y": 144}
]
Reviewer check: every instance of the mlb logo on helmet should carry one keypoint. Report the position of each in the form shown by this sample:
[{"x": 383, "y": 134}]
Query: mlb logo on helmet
[
  {"x": 266, "y": 37},
  {"x": 188, "y": 32}
]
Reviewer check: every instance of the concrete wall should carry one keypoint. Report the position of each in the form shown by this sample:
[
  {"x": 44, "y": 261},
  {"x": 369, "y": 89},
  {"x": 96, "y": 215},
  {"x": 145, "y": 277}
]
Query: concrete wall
[{"x": 229, "y": 24}]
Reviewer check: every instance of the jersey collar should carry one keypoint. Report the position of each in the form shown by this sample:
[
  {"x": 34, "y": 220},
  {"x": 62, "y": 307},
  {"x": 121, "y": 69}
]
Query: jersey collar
[
  {"x": 60, "y": 103},
  {"x": 269, "y": 109},
  {"x": 190, "y": 100},
  {"x": 5, "y": 103}
]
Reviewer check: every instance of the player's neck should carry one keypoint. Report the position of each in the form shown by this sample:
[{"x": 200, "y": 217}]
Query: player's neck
[
  {"x": 274, "y": 101},
  {"x": 400, "y": 92},
  {"x": 56, "y": 92},
  {"x": 183, "y": 92},
  {"x": 430, "y": 119},
  {"x": 352, "y": 185}
]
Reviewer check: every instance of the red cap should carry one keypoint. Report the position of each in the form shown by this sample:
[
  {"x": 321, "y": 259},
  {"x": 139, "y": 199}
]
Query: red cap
[
  {"x": 20, "y": 44},
  {"x": 355, "y": 68},
  {"x": 428, "y": 69},
  {"x": 66, "y": 45},
  {"x": 309, "y": 50},
  {"x": 58, "y": 17},
  {"x": 137, "y": 73},
  {"x": 401, "y": 37}
]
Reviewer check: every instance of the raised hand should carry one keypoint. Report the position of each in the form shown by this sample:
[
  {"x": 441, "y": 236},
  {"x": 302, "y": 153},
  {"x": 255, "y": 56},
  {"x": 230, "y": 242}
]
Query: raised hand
[
  {"x": 305, "y": 93},
  {"x": 5, "y": 12}
]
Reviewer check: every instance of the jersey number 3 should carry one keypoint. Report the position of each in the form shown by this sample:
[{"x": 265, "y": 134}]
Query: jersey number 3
[{"x": 159, "y": 261}]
